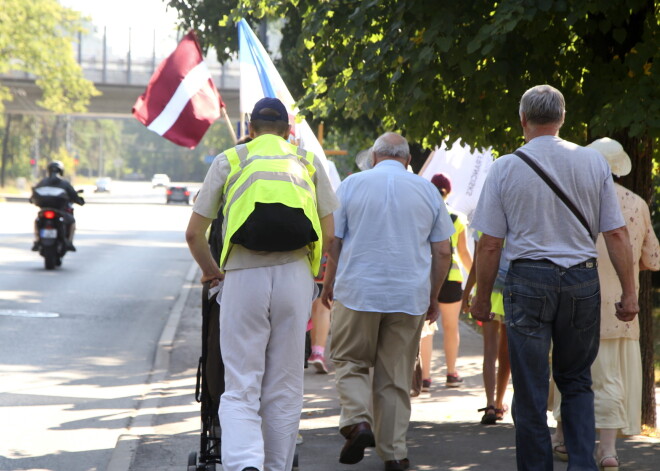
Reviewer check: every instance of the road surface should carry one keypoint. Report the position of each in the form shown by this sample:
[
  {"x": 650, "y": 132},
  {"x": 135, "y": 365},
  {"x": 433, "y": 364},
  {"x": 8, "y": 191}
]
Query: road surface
[{"x": 77, "y": 343}]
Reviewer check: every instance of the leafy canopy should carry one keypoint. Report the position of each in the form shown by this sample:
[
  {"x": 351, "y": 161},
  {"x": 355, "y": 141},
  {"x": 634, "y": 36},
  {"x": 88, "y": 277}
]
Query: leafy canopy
[
  {"x": 457, "y": 69},
  {"x": 36, "y": 37}
]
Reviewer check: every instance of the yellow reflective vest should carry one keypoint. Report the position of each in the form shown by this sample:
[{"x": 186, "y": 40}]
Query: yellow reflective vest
[
  {"x": 268, "y": 170},
  {"x": 455, "y": 273}
]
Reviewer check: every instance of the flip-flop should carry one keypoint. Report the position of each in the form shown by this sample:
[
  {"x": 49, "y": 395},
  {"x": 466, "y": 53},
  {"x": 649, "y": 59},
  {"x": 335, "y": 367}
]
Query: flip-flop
[
  {"x": 602, "y": 467},
  {"x": 561, "y": 454}
]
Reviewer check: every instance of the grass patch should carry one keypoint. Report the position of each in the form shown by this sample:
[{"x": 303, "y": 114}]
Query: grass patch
[{"x": 10, "y": 190}]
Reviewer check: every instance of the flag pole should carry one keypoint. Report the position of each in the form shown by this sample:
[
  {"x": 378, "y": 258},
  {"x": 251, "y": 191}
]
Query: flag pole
[{"x": 229, "y": 125}]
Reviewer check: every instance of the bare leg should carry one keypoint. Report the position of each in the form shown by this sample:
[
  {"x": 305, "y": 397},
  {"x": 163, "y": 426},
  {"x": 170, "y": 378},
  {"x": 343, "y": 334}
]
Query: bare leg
[
  {"x": 449, "y": 314},
  {"x": 320, "y": 324},
  {"x": 319, "y": 335},
  {"x": 503, "y": 367},
  {"x": 490, "y": 331},
  {"x": 426, "y": 350},
  {"x": 607, "y": 447}
]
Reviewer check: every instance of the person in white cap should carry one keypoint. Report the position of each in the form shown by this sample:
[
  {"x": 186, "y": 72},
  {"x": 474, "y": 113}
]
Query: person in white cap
[{"x": 617, "y": 370}]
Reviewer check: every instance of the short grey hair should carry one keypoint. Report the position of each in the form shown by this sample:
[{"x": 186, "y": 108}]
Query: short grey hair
[
  {"x": 543, "y": 104},
  {"x": 391, "y": 144}
]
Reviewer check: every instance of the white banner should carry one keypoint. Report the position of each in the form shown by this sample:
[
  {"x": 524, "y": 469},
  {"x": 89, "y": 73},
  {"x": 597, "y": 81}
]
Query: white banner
[{"x": 467, "y": 170}]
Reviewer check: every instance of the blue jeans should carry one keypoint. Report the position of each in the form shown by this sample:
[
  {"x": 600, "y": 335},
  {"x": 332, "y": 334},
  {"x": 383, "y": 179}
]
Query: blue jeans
[{"x": 546, "y": 304}]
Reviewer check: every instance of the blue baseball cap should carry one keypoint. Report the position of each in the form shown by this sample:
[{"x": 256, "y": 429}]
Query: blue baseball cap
[{"x": 280, "y": 113}]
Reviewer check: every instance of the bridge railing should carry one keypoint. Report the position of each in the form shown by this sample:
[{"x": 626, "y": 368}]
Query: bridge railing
[{"x": 129, "y": 56}]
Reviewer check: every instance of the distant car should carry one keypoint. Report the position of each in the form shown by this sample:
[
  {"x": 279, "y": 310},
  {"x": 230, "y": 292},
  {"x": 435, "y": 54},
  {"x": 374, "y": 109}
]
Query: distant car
[
  {"x": 103, "y": 185},
  {"x": 160, "y": 179},
  {"x": 179, "y": 194}
]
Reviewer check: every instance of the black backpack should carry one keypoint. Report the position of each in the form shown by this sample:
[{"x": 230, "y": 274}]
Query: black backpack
[{"x": 275, "y": 227}]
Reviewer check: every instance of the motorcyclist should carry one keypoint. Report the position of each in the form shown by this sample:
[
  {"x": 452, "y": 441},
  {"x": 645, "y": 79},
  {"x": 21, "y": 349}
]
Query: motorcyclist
[{"x": 54, "y": 179}]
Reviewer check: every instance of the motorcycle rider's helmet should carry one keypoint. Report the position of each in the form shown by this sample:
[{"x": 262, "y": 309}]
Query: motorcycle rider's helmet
[{"x": 56, "y": 167}]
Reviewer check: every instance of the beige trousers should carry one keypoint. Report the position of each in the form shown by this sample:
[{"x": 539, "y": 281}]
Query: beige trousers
[{"x": 388, "y": 342}]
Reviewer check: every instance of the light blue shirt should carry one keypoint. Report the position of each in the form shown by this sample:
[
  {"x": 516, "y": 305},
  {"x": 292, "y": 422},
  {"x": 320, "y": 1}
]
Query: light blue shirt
[
  {"x": 517, "y": 205},
  {"x": 387, "y": 219}
]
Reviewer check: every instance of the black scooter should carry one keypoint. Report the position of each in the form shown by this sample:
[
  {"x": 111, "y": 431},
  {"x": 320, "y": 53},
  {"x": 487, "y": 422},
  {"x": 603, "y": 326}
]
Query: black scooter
[{"x": 52, "y": 232}]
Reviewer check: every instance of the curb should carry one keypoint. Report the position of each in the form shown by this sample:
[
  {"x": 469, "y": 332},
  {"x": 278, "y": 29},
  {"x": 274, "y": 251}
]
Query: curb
[
  {"x": 14, "y": 199},
  {"x": 140, "y": 420}
]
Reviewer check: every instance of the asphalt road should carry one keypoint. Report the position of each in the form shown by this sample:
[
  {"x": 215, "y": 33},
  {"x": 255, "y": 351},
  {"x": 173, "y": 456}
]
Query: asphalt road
[{"x": 77, "y": 343}]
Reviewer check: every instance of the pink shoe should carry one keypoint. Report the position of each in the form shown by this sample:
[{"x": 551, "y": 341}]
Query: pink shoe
[{"x": 318, "y": 362}]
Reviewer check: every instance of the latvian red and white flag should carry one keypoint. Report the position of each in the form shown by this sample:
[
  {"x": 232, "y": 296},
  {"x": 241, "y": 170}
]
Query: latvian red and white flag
[{"x": 181, "y": 101}]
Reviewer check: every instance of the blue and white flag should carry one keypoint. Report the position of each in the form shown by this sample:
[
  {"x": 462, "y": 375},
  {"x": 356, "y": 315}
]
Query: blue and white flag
[{"x": 259, "y": 79}]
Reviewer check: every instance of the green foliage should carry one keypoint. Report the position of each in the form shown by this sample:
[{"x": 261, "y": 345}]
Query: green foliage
[
  {"x": 18, "y": 147},
  {"x": 146, "y": 152},
  {"x": 458, "y": 69},
  {"x": 112, "y": 147},
  {"x": 36, "y": 37},
  {"x": 214, "y": 20}
]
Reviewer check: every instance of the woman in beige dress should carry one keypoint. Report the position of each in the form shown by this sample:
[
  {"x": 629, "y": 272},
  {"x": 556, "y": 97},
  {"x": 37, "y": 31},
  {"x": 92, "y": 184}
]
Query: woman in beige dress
[{"x": 617, "y": 370}]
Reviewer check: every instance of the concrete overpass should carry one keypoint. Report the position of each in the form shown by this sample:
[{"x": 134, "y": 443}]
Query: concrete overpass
[
  {"x": 115, "y": 101},
  {"x": 121, "y": 75}
]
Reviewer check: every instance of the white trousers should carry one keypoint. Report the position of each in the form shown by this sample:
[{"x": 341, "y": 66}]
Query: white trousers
[{"x": 262, "y": 338}]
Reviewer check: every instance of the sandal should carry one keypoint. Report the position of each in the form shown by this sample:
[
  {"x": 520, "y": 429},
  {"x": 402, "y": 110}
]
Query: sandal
[
  {"x": 561, "y": 454},
  {"x": 604, "y": 467},
  {"x": 490, "y": 415},
  {"x": 499, "y": 413}
]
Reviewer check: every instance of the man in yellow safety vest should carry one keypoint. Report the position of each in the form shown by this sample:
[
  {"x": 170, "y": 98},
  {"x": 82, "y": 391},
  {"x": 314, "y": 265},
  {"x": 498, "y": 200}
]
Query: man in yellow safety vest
[{"x": 277, "y": 203}]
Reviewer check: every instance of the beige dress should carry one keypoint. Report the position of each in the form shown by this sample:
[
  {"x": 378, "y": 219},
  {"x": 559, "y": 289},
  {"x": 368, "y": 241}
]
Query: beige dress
[{"x": 617, "y": 370}]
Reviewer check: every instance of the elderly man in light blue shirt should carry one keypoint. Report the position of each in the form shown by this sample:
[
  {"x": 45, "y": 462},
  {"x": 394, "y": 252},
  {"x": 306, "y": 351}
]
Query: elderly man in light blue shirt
[{"x": 384, "y": 273}]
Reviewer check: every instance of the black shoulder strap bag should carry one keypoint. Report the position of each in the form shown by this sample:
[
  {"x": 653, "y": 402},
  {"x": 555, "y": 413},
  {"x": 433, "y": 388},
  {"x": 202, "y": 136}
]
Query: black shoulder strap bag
[{"x": 569, "y": 204}]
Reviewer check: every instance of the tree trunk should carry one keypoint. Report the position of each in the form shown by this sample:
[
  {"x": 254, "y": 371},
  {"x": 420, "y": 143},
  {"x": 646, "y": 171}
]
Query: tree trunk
[
  {"x": 52, "y": 141},
  {"x": 646, "y": 346},
  {"x": 5, "y": 147},
  {"x": 639, "y": 181}
]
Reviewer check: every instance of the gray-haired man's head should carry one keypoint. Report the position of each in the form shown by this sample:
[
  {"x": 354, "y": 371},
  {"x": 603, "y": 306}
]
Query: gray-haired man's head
[
  {"x": 391, "y": 146},
  {"x": 542, "y": 105}
]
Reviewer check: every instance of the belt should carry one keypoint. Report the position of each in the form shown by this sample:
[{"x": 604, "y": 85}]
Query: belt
[{"x": 591, "y": 263}]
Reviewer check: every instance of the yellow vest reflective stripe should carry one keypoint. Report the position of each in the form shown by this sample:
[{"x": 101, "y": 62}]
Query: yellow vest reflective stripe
[
  {"x": 269, "y": 170},
  {"x": 245, "y": 159},
  {"x": 455, "y": 273}
]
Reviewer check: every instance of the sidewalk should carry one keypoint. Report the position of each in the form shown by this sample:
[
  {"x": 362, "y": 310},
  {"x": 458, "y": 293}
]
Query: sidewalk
[
  {"x": 444, "y": 434},
  {"x": 23, "y": 197}
]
